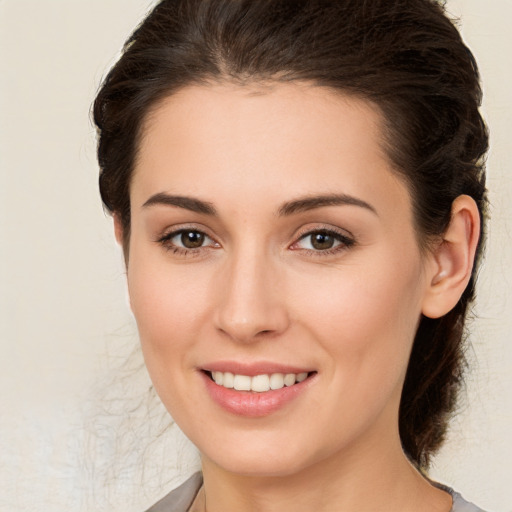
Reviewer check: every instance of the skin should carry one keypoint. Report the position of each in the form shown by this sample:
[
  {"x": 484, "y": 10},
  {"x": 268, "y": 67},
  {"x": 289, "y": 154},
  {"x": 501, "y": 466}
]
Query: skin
[{"x": 257, "y": 290}]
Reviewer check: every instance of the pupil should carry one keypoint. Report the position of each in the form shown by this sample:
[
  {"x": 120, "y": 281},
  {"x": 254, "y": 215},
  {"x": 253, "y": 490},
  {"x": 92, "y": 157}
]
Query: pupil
[
  {"x": 322, "y": 241},
  {"x": 192, "y": 239}
]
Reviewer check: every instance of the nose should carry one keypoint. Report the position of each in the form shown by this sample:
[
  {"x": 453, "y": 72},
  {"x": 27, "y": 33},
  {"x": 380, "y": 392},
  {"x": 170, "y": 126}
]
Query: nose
[{"x": 251, "y": 301}]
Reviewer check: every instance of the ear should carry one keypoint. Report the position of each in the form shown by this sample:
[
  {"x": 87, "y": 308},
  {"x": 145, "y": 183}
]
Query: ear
[
  {"x": 118, "y": 229},
  {"x": 451, "y": 261}
]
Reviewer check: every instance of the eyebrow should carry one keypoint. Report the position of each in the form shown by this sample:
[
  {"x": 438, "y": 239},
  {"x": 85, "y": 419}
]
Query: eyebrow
[
  {"x": 187, "y": 203},
  {"x": 311, "y": 202},
  {"x": 289, "y": 208}
]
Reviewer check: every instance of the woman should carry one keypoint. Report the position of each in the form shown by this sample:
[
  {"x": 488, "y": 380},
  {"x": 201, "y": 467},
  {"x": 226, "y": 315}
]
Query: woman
[{"x": 298, "y": 188}]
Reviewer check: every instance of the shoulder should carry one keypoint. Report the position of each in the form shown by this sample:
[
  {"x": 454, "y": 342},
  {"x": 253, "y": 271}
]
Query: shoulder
[
  {"x": 181, "y": 498},
  {"x": 461, "y": 505}
]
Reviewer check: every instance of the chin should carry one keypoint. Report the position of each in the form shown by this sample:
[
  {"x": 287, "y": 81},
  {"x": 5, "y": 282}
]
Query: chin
[
  {"x": 280, "y": 458},
  {"x": 260, "y": 466}
]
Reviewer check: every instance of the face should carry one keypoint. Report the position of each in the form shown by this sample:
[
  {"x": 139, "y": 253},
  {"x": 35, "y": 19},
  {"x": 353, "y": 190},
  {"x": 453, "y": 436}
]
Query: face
[{"x": 273, "y": 251}]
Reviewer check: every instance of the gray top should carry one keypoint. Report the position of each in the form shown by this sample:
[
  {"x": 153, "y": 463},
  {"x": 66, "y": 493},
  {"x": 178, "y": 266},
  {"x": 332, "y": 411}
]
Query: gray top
[{"x": 181, "y": 498}]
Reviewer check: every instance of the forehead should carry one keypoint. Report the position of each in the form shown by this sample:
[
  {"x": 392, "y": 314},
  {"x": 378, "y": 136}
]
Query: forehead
[{"x": 233, "y": 142}]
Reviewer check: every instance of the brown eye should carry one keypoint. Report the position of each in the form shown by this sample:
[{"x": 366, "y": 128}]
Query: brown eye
[
  {"x": 192, "y": 239},
  {"x": 322, "y": 241},
  {"x": 183, "y": 240}
]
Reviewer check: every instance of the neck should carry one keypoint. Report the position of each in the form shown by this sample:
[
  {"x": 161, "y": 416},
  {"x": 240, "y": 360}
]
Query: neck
[{"x": 378, "y": 478}]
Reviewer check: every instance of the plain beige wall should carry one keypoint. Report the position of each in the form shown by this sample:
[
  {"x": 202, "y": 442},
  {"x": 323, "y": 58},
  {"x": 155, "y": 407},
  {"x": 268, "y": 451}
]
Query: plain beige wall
[{"x": 64, "y": 321}]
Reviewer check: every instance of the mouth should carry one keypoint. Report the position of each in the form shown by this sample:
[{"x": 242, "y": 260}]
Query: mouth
[
  {"x": 256, "y": 390},
  {"x": 260, "y": 383}
]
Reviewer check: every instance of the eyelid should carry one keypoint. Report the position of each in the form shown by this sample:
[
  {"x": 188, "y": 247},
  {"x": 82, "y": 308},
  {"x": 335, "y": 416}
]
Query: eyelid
[
  {"x": 346, "y": 238},
  {"x": 168, "y": 234},
  {"x": 179, "y": 228},
  {"x": 314, "y": 228},
  {"x": 175, "y": 234}
]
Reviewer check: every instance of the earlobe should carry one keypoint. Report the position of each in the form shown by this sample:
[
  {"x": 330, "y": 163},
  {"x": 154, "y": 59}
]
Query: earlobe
[{"x": 452, "y": 259}]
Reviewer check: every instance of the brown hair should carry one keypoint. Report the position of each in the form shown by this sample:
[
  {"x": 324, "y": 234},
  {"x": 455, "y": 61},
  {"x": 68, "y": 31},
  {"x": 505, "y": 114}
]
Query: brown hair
[{"x": 405, "y": 56}]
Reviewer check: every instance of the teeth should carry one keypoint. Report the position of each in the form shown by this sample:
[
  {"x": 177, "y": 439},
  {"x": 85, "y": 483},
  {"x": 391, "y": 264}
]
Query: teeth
[
  {"x": 289, "y": 379},
  {"x": 276, "y": 381},
  {"x": 242, "y": 383},
  {"x": 258, "y": 383},
  {"x": 228, "y": 380}
]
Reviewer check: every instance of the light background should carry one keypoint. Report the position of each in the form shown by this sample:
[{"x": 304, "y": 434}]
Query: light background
[{"x": 65, "y": 329}]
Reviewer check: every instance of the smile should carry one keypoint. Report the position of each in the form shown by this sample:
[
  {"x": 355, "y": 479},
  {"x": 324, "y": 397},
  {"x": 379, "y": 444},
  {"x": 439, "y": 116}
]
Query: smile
[
  {"x": 267, "y": 389},
  {"x": 257, "y": 383}
]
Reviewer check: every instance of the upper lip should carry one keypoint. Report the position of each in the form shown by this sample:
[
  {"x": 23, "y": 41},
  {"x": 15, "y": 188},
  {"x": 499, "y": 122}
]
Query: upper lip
[{"x": 254, "y": 368}]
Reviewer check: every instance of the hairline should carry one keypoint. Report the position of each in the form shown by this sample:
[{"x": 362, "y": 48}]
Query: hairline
[{"x": 262, "y": 85}]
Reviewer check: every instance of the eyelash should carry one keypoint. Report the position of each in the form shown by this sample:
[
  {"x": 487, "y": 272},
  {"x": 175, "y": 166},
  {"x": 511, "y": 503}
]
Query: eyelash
[
  {"x": 345, "y": 242},
  {"x": 166, "y": 242}
]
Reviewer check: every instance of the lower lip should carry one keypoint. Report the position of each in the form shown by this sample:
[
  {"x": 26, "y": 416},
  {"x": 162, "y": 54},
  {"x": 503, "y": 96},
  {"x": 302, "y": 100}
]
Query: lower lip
[{"x": 250, "y": 403}]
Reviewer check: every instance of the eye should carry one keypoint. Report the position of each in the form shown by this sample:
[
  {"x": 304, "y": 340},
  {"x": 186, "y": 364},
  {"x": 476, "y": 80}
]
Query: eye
[
  {"x": 187, "y": 240},
  {"x": 323, "y": 240},
  {"x": 190, "y": 239}
]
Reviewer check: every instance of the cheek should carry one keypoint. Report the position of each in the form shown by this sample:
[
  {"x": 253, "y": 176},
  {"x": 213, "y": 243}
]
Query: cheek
[
  {"x": 168, "y": 304},
  {"x": 157, "y": 304},
  {"x": 369, "y": 316}
]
